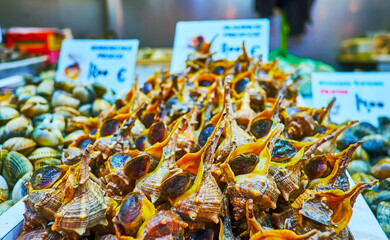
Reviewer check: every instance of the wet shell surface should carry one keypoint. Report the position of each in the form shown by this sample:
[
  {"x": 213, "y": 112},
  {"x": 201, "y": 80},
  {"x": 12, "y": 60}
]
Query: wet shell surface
[
  {"x": 18, "y": 127},
  {"x": 218, "y": 152},
  {"x": 7, "y": 113},
  {"x": 20, "y": 189},
  {"x": 44, "y": 152},
  {"x": 48, "y": 136},
  {"x": 20, "y": 144},
  {"x": 15, "y": 166},
  {"x": 3, "y": 190}
]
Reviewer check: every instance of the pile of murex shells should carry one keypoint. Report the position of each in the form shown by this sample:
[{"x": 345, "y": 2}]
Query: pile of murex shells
[{"x": 219, "y": 151}]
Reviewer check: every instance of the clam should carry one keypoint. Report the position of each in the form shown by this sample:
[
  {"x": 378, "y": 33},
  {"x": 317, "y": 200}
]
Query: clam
[
  {"x": 64, "y": 85},
  {"x": 363, "y": 129},
  {"x": 99, "y": 105},
  {"x": 42, "y": 153},
  {"x": 384, "y": 184},
  {"x": 48, "y": 136},
  {"x": 345, "y": 139},
  {"x": 375, "y": 144},
  {"x": 35, "y": 106},
  {"x": 25, "y": 92},
  {"x": 3, "y": 154},
  {"x": 20, "y": 190},
  {"x": 4, "y": 206},
  {"x": 358, "y": 166},
  {"x": 132, "y": 213},
  {"x": 85, "y": 110},
  {"x": 373, "y": 198},
  {"x": 63, "y": 99},
  {"x": 75, "y": 123},
  {"x": 72, "y": 137},
  {"x": 86, "y": 94},
  {"x": 99, "y": 89},
  {"x": 360, "y": 154},
  {"x": 3, "y": 190},
  {"x": 363, "y": 177},
  {"x": 383, "y": 216},
  {"x": 52, "y": 119},
  {"x": 46, "y": 88},
  {"x": 20, "y": 144},
  {"x": 7, "y": 114},
  {"x": 381, "y": 170},
  {"x": 15, "y": 166},
  {"x": 66, "y": 112},
  {"x": 18, "y": 127}
]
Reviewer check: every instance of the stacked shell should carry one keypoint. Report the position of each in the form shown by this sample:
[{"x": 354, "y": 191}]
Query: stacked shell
[
  {"x": 219, "y": 151},
  {"x": 37, "y": 122}
]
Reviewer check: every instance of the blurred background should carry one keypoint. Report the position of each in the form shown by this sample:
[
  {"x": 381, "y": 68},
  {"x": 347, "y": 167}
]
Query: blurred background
[{"x": 328, "y": 22}]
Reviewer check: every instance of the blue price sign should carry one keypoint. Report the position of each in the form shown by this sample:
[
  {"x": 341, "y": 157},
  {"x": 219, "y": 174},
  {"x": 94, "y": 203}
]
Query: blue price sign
[
  {"x": 227, "y": 36},
  {"x": 110, "y": 62},
  {"x": 359, "y": 96}
]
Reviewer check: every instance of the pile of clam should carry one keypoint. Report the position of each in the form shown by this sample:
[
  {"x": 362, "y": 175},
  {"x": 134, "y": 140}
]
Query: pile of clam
[
  {"x": 36, "y": 122},
  {"x": 219, "y": 151},
  {"x": 371, "y": 162}
]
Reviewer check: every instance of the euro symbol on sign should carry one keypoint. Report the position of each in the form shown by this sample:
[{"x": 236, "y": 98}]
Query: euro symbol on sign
[{"x": 121, "y": 77}]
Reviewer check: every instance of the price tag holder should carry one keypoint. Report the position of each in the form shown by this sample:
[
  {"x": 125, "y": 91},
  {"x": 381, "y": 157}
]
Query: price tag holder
[
  {"x": 110, "y": 62},
  {"x": 359, "y": 96},
  {"x": 228, "y": 36}
]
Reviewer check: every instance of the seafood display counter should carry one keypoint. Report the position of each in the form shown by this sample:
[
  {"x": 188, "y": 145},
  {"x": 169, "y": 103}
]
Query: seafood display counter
[{"x": 221, "y": 150}]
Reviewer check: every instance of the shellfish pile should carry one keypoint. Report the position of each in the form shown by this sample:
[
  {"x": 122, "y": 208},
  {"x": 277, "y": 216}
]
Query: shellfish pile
[
  {"x": 371, "y": 162},
  {"x": 219, "y": 151},
  {"x": 36, "y": 122}
]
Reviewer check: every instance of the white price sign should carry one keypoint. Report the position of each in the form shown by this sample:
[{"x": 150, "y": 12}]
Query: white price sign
[
  {"x": 228, "y": 36},
  {"x": 110, "y": 62},
  {"x": 362, "y": 96}
]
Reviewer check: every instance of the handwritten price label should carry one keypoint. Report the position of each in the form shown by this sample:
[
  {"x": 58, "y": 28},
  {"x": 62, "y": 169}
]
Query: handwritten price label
[
  {"x": 359, "y": 96},
  {"x": 110, "y": 62},
  {"x": 228, "y": 36}
]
